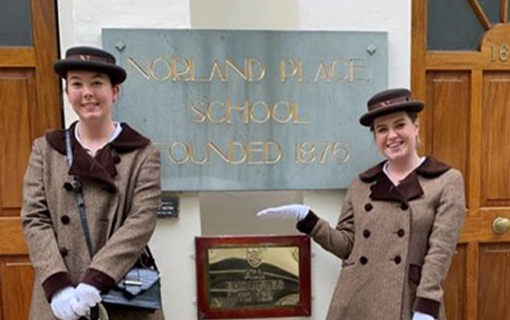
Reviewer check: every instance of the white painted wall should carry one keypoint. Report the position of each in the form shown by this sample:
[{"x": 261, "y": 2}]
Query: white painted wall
[{"x": 80, "y": 23}]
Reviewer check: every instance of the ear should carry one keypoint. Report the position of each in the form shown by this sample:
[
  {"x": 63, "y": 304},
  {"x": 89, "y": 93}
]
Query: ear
[{"x": 116, "y": 91}]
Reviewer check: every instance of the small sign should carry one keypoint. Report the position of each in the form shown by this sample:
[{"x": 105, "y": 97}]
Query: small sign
[{"x": 169, "y": 205}]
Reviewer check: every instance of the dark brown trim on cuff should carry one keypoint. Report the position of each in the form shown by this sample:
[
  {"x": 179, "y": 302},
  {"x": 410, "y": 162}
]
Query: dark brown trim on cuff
[
  {"x": 308, "y": 223},
  {"x": 98, "y": 279},
  {"x": 427, "y": 306},
  {"x": 55, "y": 282}
]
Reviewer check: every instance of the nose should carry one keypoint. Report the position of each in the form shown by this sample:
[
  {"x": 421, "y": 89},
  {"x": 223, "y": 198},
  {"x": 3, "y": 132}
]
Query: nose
[
  {"x": 87, "y": 91},
  {"x": 392, "y": 133}
]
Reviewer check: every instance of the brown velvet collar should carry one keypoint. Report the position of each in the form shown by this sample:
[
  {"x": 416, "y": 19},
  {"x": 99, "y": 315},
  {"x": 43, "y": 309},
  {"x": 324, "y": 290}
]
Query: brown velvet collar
[
  {"x": 409, "y": 188},
  {"x": 102, "y": 166}
]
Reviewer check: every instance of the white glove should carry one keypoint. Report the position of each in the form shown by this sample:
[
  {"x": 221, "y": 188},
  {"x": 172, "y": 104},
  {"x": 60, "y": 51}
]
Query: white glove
[
  {"x": 87, "y": 297},
  {"x": 291, "y": 211},
  {"x": 61, "y": 303},
  {"x": 422, "y": 316}
]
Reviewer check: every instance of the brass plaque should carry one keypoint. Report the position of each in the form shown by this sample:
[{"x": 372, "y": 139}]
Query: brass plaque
[
  {"x": 249, "y": 277},
  {"x": 253, "y": 276}
]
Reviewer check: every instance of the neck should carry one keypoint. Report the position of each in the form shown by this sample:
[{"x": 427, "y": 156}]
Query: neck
[
  {"x": 96, "y": 134},
  {"x": 400, "y": 168}
]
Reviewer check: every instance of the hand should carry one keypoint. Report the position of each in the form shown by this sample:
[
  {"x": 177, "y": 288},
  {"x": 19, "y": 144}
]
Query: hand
[
  {"x": 422, "y": 316},
  {"x": 291, "y": 211},
  {"x": 87, "y": 297},
  {"x": 61, "y": 303}
]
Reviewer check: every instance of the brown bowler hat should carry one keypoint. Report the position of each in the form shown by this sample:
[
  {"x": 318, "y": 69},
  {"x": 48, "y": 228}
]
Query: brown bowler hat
[
  {"x": 389, "y": 101},
  {"x": 90, "y": 59}
]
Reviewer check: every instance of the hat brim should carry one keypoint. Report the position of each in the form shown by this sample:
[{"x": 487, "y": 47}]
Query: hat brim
[
  {"x": 116, "y": 73},
  {"x": 414, "y": 106}
]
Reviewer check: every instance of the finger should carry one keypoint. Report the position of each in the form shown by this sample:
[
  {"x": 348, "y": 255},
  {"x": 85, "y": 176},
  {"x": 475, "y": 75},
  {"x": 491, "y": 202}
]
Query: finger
[{"x": 80, "y": 309}]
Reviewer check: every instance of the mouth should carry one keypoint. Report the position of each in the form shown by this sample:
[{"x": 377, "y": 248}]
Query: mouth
[
  {"x": 394, "y": 144},
  {"x": 89, "y": 105}
]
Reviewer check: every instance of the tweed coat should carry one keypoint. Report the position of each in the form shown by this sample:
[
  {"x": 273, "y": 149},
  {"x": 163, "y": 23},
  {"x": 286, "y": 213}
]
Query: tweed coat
[
  {"x": 396, "y": 242},
  {"x": 121, "y": 189}
]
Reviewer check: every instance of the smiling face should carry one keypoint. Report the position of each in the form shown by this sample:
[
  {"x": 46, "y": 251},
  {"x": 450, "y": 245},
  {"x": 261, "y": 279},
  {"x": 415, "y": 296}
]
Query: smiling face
[
  {"x": 396, "y": 135},
  {"x": 91, "y": 94}
]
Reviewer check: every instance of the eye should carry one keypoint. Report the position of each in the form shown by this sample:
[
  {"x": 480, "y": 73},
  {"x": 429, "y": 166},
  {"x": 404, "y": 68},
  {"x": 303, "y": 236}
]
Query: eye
[
  {"x": 400, "y": 125},
  {"x": 381, "y": 130},
  {"x": 75, "y": 84},
  {"x": 97, "y": 83}
]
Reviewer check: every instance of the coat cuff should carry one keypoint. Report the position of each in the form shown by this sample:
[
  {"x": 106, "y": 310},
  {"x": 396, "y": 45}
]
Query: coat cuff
[
  {"x": 427, "y": 306},
  {"x": 98, "y": 279},
  {"x": 56, "y": 282},
  {"x": 308, "y": 223}
]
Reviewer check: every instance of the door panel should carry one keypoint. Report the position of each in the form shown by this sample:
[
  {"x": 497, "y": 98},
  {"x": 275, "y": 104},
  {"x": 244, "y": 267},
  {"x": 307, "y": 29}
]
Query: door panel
[
  {"x": 16, "y": 288},
  {"x": 15, "y": 97},
  {"x": 448, "y": 103},
  {"x": 494, "y": 281},
  {"x": 455, "y": 285},
  {"x": 30, "y": 104},
  {"x": 496, "y": 139}
]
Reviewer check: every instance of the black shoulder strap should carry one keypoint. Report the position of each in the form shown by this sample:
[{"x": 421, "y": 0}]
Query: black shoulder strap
[{"x": 79, "y": 196}]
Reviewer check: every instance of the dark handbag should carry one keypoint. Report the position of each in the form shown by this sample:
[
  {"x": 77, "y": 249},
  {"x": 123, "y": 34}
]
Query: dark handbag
[{"x": 141, "y": 286}]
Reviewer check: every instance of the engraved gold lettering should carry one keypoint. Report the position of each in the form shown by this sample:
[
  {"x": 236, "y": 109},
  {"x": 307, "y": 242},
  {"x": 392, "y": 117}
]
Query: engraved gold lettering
[
  {"x": 265, "y": 110},
  {"x": 306, "y": 152},
  {"x": 210, "y": 112},
  {"x": 217, "y": 72},
  {"x": 173, "y": 151},
  {"x": 267, "y": 152},
  {"x": 355, "y": 64},
  {"x": 232, "y": 152},
  {"x": 295, "y": 69},
  {"x": 138, "y": 67},
  {"x": 160, "y": 75},
  {"x": 214, "y": 148},
  {"x": 231, "y": 65},
  {"x": 295, "y": 114},
  {"x": 250, "y": 66},
  {"x": 183, "y": 69},
  {"x": 252, "y": 148},
  {"x": 325, "y": 72},
  {"x": 197, "y": 111},
  {"x": 341, "y": 152},
  {"x": 285, "y": 105}
]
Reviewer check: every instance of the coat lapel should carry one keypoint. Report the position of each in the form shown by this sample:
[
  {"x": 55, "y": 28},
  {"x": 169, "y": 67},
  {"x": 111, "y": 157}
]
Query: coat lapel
[
  {"x": 102, "y": 166},
  {"x": 409, "y": 188}
]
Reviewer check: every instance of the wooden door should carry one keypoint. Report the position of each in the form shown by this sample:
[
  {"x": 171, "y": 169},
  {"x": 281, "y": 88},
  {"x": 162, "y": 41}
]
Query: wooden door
[
  {"x": 461, "y": 69},
  {"x": 29, "y": 104}
]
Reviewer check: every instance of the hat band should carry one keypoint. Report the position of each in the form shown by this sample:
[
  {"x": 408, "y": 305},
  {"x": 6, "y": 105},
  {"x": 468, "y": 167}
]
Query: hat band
[
  {"x": 86, "y": 57},
  {"x": 389, "y": 102}
]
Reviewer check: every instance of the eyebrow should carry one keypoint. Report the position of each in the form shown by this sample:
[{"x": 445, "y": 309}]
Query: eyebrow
[
  {"x": 97, "y": 75},
  {"x": 394, "y": 122}
]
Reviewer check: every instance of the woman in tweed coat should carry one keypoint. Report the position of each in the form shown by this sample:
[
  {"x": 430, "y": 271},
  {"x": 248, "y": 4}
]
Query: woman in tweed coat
[
  {"x": 399, "y": 224},
  {"x": 119, "y": 173}
]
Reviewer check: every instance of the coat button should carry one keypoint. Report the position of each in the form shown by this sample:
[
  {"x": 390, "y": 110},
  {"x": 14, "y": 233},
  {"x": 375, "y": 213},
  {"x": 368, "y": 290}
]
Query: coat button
[
  {"x": 363, "y": 260},
  {"x": 63, "y": 251},
  {"x": 397, "y": 260},
  {"x": 401, "y": 233},
  {"x": 366, "y": 233},
  {"x": 110, "y": 189},
  {"x": 68, "y": 186},
  {"x": 116, "y": 159},
  {"x": 368, "y": 207},
  {"x": 404, "y": 206},
  {"x": 65, "y": 219}
]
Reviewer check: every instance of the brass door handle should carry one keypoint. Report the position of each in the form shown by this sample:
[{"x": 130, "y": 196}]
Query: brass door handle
[{"x": 501, "y": 225}]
